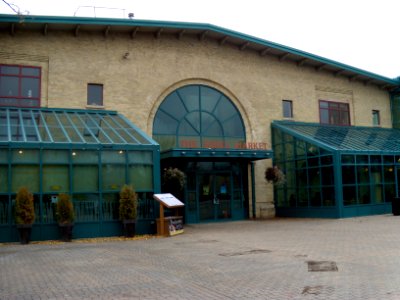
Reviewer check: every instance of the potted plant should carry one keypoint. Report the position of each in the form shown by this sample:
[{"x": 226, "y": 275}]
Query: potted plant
[
  {"x": 65, "y": 216},
  {"x": 173, "y": 180},
  {"x": 24, "y": 214},
  {"x": 128, "y": 209},
  {"x": 275, "y": 176}
]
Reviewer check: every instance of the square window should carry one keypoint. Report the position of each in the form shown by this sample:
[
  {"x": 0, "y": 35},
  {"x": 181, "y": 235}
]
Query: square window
[
  {"x": 95, "y": 94},
  {"x": 20, "y": 86},
  {"x": 287, "y": 106},
  {"x": 376, "y": 120}
]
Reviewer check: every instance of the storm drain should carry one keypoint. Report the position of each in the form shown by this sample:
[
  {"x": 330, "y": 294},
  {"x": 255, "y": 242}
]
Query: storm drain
[
  {"x": 254, "y": 251},
  {"x": 322, "y": 266}
]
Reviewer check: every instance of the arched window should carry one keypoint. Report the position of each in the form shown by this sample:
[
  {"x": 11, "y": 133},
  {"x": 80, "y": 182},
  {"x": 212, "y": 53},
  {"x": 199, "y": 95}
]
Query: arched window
[{"x": 198, "y": 116}]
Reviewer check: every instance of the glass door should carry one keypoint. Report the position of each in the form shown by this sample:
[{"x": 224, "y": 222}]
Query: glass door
[{"x": 215, "y": 196}]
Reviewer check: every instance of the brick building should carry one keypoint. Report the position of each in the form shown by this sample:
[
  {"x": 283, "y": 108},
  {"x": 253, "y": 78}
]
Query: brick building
[{"x": 132, "y": 97}]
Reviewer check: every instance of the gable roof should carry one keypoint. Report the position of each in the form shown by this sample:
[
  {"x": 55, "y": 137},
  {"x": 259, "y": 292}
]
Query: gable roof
[{"x": 133, "y": 27}]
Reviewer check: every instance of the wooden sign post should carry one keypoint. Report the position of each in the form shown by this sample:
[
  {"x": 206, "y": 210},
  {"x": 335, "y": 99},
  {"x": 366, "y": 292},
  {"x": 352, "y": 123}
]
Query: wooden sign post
[{"x": 175, "y": 223}]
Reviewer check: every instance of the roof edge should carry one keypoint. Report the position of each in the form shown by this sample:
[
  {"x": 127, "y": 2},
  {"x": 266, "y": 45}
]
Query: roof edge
[
  {"x": 189, "y": 25},
  {"x": 58, "y": 109}
]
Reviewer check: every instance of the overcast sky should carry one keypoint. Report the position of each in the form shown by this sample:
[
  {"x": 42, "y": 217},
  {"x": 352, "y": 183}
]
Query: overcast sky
[{"x": 360, "y": 33}]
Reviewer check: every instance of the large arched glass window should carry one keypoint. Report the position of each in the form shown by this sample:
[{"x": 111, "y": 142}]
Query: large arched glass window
[{"x": 197, "y": 116}]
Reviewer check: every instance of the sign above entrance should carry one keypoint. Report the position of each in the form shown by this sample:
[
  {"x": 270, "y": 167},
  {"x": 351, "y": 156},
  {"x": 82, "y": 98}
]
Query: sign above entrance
[
  {"x": 219, "y": 144},
  {"x": 246, "y": 154},
  {"x": 168, "y": 200}
]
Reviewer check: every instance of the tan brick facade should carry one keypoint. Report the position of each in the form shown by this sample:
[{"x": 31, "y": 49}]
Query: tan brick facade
[{"x": 137, "y": 84}]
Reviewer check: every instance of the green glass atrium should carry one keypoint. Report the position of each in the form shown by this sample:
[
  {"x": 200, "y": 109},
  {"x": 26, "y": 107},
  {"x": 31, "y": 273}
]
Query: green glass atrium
[
  {"x": 88, "y": 154},
  {"x": 335, "y": 171}
]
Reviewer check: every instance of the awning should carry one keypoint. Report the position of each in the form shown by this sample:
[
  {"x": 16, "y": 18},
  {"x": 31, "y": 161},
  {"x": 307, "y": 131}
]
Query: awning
[
  {"x": 220, "y": 154},
  {"x": 68, "y": 127}
]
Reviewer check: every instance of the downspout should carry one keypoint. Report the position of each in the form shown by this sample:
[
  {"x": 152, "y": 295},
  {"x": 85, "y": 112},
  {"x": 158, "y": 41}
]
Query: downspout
[{"x": 253, "y": 191}]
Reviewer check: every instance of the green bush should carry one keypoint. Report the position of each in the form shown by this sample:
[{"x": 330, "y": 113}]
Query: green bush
[
  {"x": 128, "y": 203},
  {"x": 64, "y": 209},
  {"x": 24, "y": 207}
]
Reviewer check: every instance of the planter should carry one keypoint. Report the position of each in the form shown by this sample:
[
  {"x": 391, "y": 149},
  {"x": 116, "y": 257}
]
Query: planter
[
  {"x": 24, "y": 231},
  {"x": 129, "y": 227},
  {"x": 66, "y": 231}
]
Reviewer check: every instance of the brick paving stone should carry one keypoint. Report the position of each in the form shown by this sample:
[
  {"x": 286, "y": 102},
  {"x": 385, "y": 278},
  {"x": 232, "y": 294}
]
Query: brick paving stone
[{"x": 235, "y": 260}]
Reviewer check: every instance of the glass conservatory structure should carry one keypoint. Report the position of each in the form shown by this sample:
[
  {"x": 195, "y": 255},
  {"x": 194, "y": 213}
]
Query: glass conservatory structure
[
  {"x": 335, "y": 171},
  {"x": 86, "y": 154}
]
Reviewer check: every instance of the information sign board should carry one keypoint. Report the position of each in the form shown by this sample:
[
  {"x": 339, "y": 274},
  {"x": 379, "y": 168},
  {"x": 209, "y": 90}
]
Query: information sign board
[{"x": 168, "y": 200}]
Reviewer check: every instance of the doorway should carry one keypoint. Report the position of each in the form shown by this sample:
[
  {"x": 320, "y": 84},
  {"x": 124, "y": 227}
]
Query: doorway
[
  {"x": 215, "y": 191},
  {"x": 215, "y": 196}
]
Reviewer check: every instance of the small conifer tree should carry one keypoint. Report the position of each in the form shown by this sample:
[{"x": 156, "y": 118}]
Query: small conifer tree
[
  {"x": 65, "y": 209},
  {"x": 24, "y": 207},
  {"x": 128, "y": 203}
]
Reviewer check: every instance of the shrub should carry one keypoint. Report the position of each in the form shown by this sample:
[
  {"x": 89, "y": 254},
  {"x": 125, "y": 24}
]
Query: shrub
[
  {"x": 64, "y": 209},
  {"x": 275, "y": 175},
  {"x": 24, "y": 207},
  {"x": 128, "y": 203},
  {"x": 173, "y": 180}
]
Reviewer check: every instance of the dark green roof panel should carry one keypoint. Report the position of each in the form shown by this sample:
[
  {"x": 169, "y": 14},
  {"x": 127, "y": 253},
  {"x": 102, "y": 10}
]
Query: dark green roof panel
[
  {"x": 344, "y": 138},
  {"x": 68, "y": 126}
]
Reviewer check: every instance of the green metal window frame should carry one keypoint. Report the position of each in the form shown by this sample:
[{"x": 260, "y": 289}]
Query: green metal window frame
[
  {"x": 54, "y": 150},
  {"x": 395, "y": 108},
  {"x": 308, "y": 170},
  {"x": 67, "y": 127},
  {"x": 370, "y": 178},
  {"x": 359, "y": 165},
  {"x": 198, "y": 116}
]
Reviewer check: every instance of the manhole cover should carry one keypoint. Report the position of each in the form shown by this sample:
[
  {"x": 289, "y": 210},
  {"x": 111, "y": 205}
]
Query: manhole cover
[
  {"x": 254, "y": 251},
  {"x": 207, "y": 241},
  {"x": 322, "y": 266},
  {"x": 312, "y": 290}
]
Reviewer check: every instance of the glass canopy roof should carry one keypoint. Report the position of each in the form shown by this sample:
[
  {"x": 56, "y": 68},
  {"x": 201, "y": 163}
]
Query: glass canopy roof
[
  {"x": 67, "y": 126},
  {"x": 345, "y": 138}
]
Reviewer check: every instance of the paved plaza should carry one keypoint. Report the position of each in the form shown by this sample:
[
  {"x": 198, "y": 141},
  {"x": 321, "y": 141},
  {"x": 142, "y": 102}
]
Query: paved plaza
[{"x": 357, "y": 258}]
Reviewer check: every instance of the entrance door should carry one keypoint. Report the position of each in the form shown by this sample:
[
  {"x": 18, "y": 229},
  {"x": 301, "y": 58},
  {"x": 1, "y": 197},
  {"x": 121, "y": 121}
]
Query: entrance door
[{"x": 215, "y": 196}]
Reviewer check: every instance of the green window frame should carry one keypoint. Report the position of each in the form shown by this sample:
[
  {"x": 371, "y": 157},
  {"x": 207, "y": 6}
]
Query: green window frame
[
  {"x": 198, "y": 116},
  {"x": 308, "y": 169}
]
